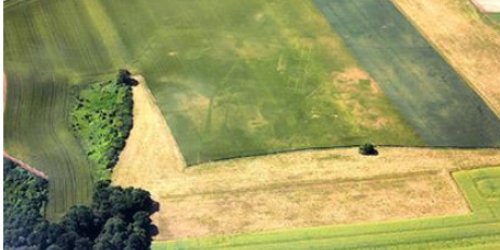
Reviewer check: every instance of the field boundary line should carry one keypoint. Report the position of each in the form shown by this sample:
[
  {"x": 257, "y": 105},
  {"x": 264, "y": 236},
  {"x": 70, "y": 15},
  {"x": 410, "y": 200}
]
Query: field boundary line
[
  {"x": 454, "y": 184},
  {"x": 486, "y": 100},
  {"x": 290, "y": 151},
  {"x": 25, "y": 166}
]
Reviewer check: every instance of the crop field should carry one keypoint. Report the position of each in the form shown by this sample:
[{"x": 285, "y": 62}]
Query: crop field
[
  {"x": 236, "y": 79},
  {"x": 477, "y": 230},
  {"x": 39, "y": 137},
  {"x": 467, "y": 40},
  {"x": 427, "y": 91},
  {"x": 210, "y": 198},
  {"x": 239, "y": 79},
  {"x": 43, "y": 57}
]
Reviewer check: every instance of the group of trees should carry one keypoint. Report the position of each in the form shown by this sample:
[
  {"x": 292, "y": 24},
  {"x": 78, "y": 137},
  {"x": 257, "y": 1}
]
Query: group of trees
[
  {"x": 102, "y": 119},
  {"x": 24, "y": 198},
  {"x": 117, "y": 219}
]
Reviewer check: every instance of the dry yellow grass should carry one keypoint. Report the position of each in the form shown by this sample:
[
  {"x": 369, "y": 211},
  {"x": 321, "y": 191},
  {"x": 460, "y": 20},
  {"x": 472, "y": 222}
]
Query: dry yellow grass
[
  {"x": 471, "y": 46},
  {"x": 308, "y": 204},
  {"x": 151, "y": 149},
  {"x": 308, "y": 188}
]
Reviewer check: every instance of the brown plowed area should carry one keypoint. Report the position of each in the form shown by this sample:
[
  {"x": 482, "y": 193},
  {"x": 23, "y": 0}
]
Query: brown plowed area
[
  {"x": 460, "y": 33},
  {"x": 308, "y": 188}
]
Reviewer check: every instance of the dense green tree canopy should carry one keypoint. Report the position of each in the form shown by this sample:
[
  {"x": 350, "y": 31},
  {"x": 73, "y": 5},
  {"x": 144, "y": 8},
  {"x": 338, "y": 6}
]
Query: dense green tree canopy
[{"x": 117, "y": 219}]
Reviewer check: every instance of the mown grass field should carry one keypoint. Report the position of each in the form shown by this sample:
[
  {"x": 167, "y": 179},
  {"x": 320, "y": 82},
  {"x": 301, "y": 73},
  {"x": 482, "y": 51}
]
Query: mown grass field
[
  {"x": 427, "y": 91},
  {"x": 478, "y": 230}
]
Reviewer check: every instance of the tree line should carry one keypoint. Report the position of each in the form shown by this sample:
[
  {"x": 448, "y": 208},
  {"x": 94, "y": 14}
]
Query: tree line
[{"x": 117, "y": 219}]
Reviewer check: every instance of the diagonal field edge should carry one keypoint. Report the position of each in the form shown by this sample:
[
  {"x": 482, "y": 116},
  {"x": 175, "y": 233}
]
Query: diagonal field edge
[{"x": 428, "y": 92}]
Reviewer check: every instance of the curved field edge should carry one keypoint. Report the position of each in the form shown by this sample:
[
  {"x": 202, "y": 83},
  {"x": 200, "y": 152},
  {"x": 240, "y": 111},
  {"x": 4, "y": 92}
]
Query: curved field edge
[
  {"x": 473, "y": 231},
  {"x": 36, "y": 130}
]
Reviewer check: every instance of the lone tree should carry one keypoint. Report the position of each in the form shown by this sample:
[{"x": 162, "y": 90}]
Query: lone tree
[
  {"x": 368, "y": 149},
  {"x": 124, "y": 76}
]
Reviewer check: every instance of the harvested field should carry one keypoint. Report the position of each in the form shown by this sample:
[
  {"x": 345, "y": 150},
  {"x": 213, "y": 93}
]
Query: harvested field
[
  {"x": 435, "y": 100},
  {"x": 479, "y": 230},
  {"x": 309, "y": 204},
  {"x": 150, "y": 142},
  {"x": 467, "y": 42}
]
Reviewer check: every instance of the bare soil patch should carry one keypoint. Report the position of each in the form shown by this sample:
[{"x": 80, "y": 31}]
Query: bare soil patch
[{"x": 460, "y": 33}]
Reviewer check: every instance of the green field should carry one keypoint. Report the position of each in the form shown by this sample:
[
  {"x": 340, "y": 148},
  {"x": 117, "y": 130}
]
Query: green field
[
  {"x": 495, "y": 17},
  {"x": 478, "y": 230},
  {"x": 231, "y": 78},
  {"x": 36, "y": 131},
  {"x": 428, "y": 92},
  {"x": 253, "y": 77}
]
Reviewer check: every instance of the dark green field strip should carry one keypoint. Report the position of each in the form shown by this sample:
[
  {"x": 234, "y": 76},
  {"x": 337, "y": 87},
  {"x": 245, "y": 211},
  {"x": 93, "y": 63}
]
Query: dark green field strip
[
  {"x": 480, "y": 229},
  {"x": 429, "y": 93},
  {"x": 36, "y": 131}
]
